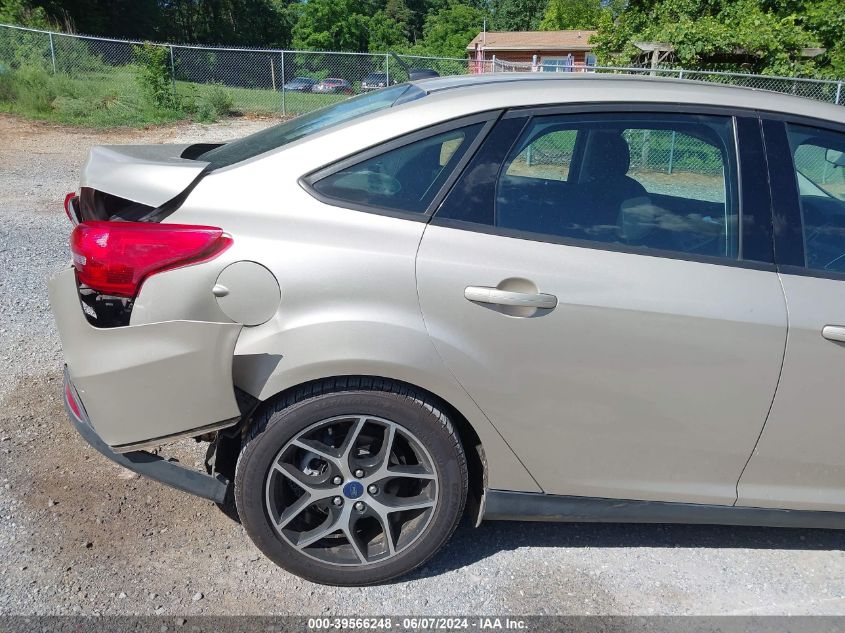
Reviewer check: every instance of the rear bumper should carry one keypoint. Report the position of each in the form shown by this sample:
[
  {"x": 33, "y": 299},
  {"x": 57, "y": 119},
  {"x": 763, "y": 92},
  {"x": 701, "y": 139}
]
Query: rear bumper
[
  {"x": 144, "y": 463},
  {"x": 150, "y": 382}
]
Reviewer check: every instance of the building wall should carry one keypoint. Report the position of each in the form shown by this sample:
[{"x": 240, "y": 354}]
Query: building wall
[{"x": 580, "y": 57}]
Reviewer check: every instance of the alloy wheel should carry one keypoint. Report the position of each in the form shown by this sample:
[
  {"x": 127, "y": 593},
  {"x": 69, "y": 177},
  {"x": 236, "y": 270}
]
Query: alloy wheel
[{"x": 352, "y": 490}]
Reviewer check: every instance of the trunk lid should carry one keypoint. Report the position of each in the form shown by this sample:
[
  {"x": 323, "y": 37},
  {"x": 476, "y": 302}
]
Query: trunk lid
[{"x": 149, "y": 175}]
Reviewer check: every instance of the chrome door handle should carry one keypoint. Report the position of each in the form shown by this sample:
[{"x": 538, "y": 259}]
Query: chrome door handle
[
  {"x": 834, "y": 333},
  {"x": 485, "y": 294}
]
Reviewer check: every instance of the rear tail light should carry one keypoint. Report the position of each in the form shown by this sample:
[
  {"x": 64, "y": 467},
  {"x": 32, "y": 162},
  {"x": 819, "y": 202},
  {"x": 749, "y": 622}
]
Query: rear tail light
[
  {"x": 116, "y": 257},
  {"x": 69, "y": 210},
  {"x": 71, "y": 401}
]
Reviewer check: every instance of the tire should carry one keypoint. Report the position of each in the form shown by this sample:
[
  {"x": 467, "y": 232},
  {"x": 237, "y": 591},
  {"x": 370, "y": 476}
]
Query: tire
[{"x": 412, "y": 458}]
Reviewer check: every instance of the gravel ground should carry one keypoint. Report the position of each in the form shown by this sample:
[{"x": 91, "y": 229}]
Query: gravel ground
[{"x": 79, "y": 535}]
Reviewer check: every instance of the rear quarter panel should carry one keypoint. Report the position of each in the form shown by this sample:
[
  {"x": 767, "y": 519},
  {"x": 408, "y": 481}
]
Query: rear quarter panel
[{"x": 349, "y": 302}]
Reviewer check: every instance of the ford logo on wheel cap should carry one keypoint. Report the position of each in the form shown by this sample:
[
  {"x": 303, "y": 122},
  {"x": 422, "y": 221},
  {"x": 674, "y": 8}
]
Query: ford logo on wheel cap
[{"x": 353, "y": 489}]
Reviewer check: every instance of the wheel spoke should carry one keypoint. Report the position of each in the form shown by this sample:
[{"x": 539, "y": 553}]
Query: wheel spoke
[
  {"x": 351, "y": 438},
  {"x": 349, "y": 532},
  {"x": 321, "y": 531},
  {"x": 384, "y": 521},
  {"x": 412, "y": 472},
  {"x": 324, "y": 451},
  {"x": 294, "y": 510},
  {"x": 389, "y": 505},
  {"x": 296, "y": 476},
  {"x": 383, "y": 457}
]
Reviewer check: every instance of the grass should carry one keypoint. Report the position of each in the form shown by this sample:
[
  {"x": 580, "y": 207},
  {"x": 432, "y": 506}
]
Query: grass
[
  {"x": 108, "y": 99},
  {"x": 253, "y": 100},
  {"x": 112, "y": 97}
]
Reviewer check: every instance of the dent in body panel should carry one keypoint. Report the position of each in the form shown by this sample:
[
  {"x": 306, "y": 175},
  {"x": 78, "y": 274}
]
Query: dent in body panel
[
  {"x": 147, "y": 174},
  {"x": 145, "y": 381},
  {"x": 349, "y": 304}
]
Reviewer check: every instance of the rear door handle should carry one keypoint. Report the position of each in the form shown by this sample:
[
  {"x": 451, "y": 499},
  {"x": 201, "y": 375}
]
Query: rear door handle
[
  {"x": 834, "y": 333},
  {"x": 485, "y": 294}
]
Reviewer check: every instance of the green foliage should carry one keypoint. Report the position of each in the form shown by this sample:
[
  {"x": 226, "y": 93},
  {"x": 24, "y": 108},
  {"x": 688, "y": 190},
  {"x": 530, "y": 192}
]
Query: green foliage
[
  {"x": 517, "y": 15},
  {"x": 23, "y": 48},
  {"x": 332, "y": 25},
  {"x": 571, "y": 14},
  {"x": 392, "y": 28},
  {"x": 759, "y": 36},
  {"x": 447, "y": 31},
  {"x": 154, "y": 75},
  {"x": 24, "y": 14},
  {"x": 751, "y": 35},
  {"x": 220, "y": 100},
  {"x": 33, "y": 89}
]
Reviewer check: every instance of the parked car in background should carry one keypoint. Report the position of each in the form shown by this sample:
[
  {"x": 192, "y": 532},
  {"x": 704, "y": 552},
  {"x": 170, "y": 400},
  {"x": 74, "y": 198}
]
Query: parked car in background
[
  {"x": 477, "y": 287},
  {"x": 374, "y": 81},
  {"x": 334, "y": 85},
  {"x": 301, "y": 84}
]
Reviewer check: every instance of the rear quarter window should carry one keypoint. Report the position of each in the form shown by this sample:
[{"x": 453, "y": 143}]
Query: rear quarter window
[{"x": 406, "y": 178}]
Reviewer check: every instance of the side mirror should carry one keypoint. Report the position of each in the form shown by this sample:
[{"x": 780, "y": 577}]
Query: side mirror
[{"x": 835, "y": 157}]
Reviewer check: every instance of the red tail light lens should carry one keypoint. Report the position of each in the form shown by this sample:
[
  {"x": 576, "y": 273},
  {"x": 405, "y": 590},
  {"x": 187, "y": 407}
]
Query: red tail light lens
[
  {"x": 71, "y": 214},
  {"x": 71, "y": 401},
  {"x": 116, "y": 257}
]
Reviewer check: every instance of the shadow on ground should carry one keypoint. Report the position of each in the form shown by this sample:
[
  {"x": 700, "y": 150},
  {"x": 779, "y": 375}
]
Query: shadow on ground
[{"x": 470, "y": 545}]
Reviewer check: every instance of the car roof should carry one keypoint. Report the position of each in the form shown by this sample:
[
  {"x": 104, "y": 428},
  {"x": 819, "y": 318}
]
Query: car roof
[{"x": 593, "y": 87}]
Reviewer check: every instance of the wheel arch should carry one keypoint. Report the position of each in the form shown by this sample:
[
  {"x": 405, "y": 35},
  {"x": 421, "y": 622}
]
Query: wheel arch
[{"x": 491, "y": 462}]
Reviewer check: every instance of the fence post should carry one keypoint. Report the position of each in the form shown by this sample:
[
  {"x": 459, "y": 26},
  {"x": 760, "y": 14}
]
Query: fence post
[
  {"x": 284, "y": 105},
  {"x": 172, "y": 71},
  {"x": 681, "y": 73},
  {"x": 838, "y": 91},
  {"x": 494, "y": 64},
  {"x": 53, "y": 53},
  {"x": 387, "y": 68},
  {"x": 672, "y": 153}
]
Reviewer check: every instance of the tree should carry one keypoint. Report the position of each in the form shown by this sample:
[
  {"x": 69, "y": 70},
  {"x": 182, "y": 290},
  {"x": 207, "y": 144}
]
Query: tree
[
  {"x": 332, "y": 25},
  {"x": 386, "y": 35},
  {"x": 23, "y": 13},
  {"x": 447, "y": 31},
  {"x": 725, "y": 34},
  {"x": 517, "y": 15},
  {"x": 825, "y": 19},
  {"x": 571, "y": 14},
  {"x": 392, "y": 28}
]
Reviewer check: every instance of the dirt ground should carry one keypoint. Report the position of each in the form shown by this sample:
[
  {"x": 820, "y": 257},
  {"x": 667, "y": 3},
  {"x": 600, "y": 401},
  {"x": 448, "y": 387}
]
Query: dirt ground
[{"x": 79, "y": 535}]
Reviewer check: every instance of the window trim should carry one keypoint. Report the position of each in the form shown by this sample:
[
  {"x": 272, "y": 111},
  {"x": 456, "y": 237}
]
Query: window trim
[
  {"x": 488, "y": 118},
  {"x": 743, "y": 159},
  {"x": 790, "y": 252},
  {"x": 601, "y": 246}
]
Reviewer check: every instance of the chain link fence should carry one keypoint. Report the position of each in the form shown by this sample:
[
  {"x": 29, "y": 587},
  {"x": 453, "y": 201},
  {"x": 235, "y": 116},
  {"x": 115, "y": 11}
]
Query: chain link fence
[
  {"x": 819, "y": 89},
  {"x": 287, "y": 82}
]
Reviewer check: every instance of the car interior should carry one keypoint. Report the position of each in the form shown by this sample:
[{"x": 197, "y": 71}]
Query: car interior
[
  {"x": 820, "y": 164},
  {"x": 598, "y": 196}
]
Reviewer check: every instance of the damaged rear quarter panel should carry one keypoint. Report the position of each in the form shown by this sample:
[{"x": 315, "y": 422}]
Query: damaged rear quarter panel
[{"x": 142, "y": 382}]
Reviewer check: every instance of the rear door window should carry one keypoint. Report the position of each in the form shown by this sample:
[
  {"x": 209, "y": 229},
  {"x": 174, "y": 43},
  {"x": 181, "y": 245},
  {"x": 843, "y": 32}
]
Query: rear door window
[
  {"x": 819, "y": 159},
  {"x": 655, "y": 181}
]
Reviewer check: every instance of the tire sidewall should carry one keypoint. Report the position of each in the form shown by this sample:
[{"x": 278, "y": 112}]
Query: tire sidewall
[{"x": 282, "y": 426}]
